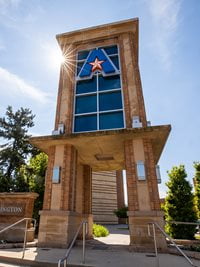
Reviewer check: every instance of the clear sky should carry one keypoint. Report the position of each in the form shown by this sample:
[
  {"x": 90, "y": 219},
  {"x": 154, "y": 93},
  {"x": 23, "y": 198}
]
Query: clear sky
[{"x": 169, "y": 57}]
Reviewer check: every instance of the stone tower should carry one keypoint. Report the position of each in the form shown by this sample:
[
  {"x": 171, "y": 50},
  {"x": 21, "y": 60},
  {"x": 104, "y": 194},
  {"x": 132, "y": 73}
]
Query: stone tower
[{"x": 100, "y": 125}]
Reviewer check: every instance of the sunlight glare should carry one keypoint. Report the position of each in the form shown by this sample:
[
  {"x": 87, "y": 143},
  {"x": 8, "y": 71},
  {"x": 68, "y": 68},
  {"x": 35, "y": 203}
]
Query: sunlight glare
[{"x": 57, "y": 58}]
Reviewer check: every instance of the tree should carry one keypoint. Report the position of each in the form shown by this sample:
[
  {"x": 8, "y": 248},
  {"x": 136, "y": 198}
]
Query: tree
[
  {"x": 179, "y": 204},
  {"x": 197, "y": 186},
  {"x": 33, "y": 174},
  {"x": 16, "y": 148}
]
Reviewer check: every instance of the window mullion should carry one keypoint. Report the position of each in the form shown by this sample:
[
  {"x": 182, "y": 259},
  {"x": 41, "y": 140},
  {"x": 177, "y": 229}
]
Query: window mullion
[{"x": 97, "y": 101}]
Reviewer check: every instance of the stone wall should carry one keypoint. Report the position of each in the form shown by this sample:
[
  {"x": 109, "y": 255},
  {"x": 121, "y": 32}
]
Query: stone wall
[{"x": 14, "y": 207}]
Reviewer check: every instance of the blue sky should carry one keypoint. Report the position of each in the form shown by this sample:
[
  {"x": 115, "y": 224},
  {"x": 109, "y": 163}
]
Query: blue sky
[{"x": 169, "y": 57}]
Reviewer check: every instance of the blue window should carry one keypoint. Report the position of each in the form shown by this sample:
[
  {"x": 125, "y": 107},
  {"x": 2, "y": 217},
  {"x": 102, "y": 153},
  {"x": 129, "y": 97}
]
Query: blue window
[
  {"x": 85, "y": 123},
  {"x": 111, "y": 50},
  {"x": 112, "y": 120},
  {"x": 86, "y": 86},
  {"x": 86, "y": 104},
  {"x": 83, "y": 55},
  {"x": 98, "y": 99},
  {"x": 115, "y": 61},
  {"x": 110, "y": 101},
  {"x": 108, "y": 83}
]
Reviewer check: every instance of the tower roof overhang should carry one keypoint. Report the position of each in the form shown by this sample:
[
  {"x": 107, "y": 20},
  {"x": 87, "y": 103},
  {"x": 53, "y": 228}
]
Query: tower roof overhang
[
  {"x": 101, "y": 32},
  {"x": 104, "y": 150}
]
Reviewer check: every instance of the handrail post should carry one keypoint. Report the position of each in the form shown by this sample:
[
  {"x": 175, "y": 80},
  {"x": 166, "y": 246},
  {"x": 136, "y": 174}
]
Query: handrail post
[
  {"x": 25, "y": 237},
  {"x": 166, "y": 235},
  {"x": 84, "y": 233},
  {"x": 155, "y": 245}
]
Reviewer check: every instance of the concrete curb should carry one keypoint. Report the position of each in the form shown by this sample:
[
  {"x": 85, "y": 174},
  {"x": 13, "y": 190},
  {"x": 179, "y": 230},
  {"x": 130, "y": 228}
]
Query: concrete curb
[
  {"x": 31, "y": 263},
  {"x": 18, "y": 245}
]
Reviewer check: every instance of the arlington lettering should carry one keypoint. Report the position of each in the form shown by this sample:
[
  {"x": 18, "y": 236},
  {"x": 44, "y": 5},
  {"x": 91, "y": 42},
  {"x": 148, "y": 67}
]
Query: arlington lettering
[{"x": 11, "y": 209}]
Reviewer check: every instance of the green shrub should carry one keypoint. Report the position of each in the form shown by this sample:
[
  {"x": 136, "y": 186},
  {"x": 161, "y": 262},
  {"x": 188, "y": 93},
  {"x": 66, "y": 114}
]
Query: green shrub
[
  {"x": 100, "y": 230},
  {"x": 121, "y": 213},
  {"x": 179, "y": 205}
]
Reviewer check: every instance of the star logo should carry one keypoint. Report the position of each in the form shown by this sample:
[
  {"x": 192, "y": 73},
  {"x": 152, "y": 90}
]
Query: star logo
[
  {"x": 96, "y": 65},
  {"x": 97, "y": 60}
]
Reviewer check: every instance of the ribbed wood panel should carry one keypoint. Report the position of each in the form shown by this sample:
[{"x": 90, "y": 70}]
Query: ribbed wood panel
[{"x": 104, "y": 197}]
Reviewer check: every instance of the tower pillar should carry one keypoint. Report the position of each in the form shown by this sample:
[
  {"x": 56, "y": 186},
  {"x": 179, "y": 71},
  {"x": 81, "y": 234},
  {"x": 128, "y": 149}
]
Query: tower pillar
[
  {"x": 67, "y": 201},
  {"x": 143, "y": 196}
]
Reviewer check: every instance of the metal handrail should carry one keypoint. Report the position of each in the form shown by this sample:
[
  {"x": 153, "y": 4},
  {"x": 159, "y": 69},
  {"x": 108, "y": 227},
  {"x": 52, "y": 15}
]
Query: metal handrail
[
  {"x": 25, "y": 230},
  {"x": 167, "y": 236},
  {"x": 64, "y": 259}
]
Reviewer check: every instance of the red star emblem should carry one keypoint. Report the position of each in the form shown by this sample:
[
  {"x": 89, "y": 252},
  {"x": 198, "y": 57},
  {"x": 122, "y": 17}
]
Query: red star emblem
[{"x": 96, "y": 65}]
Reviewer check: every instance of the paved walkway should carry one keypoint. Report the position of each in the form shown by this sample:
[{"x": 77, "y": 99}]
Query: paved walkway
[
  {"x": 98, "y": 257},
  {"x": 102, "y": 252},
  {"x": 119, "y": 235}
]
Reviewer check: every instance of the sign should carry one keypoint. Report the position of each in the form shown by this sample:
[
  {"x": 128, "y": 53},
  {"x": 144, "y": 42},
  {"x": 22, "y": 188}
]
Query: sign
[
  {"x": 97, "y": 60},
  {"x": 12, "y": 209}
]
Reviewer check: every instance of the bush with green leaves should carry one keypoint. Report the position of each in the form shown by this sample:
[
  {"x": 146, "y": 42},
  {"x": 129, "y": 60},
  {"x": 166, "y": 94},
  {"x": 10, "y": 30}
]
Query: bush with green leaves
[
  {"x": 121, "y": 212},
  {"x": 179, "y": 205},
  {"x": 100, "y": 230}
]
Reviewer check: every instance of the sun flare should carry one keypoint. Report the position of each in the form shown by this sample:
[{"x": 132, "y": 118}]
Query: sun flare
[{"x": 57, "y": 58}]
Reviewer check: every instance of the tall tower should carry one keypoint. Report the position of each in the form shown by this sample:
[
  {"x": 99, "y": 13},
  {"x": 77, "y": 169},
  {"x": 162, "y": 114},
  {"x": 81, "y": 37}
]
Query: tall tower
[{"x": 100, "y": 125}]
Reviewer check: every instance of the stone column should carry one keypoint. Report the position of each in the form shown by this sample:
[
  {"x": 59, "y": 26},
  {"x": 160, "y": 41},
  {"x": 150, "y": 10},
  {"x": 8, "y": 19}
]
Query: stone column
[
  {"x": 143, "y": 197},
  {"x": 59, "y": 219}
]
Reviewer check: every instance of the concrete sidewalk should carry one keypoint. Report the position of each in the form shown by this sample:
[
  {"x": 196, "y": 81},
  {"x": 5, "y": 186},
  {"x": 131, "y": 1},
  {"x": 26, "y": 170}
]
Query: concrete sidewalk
[
  {"x": 110, "y": 251},
  {"x": 94, "y": 257}
]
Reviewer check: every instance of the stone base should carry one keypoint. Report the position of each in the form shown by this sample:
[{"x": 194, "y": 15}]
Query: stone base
[
  {"x": 16, "y": 235},
  {"x": 138, "y": 227},
  {"x": 57, "y": 228}
]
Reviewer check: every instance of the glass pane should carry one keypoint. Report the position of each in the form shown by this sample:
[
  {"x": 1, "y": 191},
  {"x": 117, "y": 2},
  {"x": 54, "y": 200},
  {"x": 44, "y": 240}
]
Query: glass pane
[
  {"x": 85, "y": 123},
  {"x": 79, "y": 66},
  {"x": 109, "y": 101},
  {"x": 86, "y": 86},
  {"x": 111, "y": 120},
  {"x": 83, "y": 55},
  {"x": 111, "y": 50},
  {"x": 86, "y": 104},
  {"x": 115, "y": 61},
  {"x": 110, "y": 82}
]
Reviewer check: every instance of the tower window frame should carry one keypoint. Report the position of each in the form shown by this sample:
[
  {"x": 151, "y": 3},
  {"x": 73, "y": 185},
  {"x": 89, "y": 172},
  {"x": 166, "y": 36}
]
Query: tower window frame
[{"x": 99, "y": 92}]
